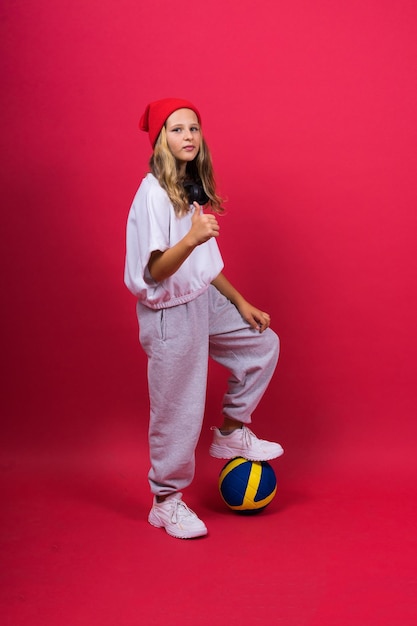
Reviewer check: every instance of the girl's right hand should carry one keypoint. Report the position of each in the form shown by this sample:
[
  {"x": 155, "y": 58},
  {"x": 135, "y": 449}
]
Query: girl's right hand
[{"x": 204, "y": 226}]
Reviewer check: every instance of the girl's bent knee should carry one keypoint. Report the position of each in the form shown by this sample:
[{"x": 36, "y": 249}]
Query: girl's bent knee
[{"x": 274, "y": 343}]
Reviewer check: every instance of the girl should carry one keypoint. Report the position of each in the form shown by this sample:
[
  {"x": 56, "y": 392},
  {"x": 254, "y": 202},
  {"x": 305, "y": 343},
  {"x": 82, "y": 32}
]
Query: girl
[{"x": 187, "y": 311}]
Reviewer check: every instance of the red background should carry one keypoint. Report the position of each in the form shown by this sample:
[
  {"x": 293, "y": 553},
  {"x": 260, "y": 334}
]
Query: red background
[{"x": 309, "y": 108}]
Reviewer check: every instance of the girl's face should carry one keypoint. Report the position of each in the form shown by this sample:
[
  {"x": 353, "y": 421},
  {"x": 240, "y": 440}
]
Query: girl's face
[{"x": 183, "y": 136}]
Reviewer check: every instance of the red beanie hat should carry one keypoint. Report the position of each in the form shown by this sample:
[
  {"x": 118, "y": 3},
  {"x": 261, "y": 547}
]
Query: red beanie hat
[{"x": 156, "y": 114}]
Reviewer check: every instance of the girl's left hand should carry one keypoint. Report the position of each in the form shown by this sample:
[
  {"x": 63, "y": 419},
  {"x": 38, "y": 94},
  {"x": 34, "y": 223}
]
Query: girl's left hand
[{"x": 259, "y": 320}]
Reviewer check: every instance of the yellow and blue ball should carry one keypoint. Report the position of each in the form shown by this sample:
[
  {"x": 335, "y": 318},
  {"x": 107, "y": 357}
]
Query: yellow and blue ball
[{"x": 247, "y": 486}]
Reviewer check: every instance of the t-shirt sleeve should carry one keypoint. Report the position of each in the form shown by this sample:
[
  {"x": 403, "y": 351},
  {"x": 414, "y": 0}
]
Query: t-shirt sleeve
[{"x": 147, "y": 231}]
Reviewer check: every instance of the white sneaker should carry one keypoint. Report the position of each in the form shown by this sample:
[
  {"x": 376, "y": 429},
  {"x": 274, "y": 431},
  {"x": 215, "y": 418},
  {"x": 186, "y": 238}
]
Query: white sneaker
[
  {"x": 177, "y": 519},
  {"x": 243, "y": 442}
]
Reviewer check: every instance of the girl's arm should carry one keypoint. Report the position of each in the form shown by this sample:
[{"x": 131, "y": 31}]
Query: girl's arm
[
  {"x": 259, "y": 320},
  {"x": 203, "y": 226}
]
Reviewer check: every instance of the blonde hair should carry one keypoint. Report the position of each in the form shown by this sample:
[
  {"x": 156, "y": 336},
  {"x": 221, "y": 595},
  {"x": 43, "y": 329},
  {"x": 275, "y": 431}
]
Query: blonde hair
[{"x": 164, "y": 167}]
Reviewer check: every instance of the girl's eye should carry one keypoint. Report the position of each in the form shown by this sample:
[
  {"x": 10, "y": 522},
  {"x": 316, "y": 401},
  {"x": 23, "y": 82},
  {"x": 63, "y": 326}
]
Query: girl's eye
[{"x": 194, "y": 129}]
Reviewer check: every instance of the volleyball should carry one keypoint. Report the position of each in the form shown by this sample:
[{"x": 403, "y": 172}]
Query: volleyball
[{"x": 247, "y": 486}]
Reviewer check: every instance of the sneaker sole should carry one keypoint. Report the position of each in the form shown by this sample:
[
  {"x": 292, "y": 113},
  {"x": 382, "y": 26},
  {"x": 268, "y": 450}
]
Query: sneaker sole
[
  {"x": 219, "y": 452},
  {"x": 176, "y": 533}
]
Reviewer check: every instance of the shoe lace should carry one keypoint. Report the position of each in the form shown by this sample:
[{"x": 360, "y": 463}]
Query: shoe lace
[
  {"x": 247, "y": 435},
  {"x": 179, "y": 511}
]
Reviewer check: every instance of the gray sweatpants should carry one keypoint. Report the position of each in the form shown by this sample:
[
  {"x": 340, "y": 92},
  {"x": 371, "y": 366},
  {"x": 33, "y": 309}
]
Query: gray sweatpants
[{"x": 178, "y": 341}]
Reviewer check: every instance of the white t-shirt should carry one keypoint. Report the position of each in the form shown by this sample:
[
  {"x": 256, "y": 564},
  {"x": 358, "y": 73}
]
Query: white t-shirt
[{"x": 153, "y": 225}]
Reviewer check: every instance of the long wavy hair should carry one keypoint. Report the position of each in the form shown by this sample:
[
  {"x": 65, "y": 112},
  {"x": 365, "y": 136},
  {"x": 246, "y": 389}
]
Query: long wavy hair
[{"x": 164, "y": 167}]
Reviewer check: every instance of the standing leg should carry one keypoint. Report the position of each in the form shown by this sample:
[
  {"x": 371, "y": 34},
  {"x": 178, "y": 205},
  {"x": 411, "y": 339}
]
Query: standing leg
[{"x": 176, "y": 342}]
